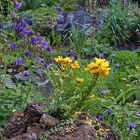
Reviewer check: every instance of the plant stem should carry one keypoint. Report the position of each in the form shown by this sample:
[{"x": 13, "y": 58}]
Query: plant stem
[{"x": 86, "y": 95}]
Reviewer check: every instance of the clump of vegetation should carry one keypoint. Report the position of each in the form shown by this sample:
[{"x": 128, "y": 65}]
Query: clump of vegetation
[{"x": 97, "y": 78}]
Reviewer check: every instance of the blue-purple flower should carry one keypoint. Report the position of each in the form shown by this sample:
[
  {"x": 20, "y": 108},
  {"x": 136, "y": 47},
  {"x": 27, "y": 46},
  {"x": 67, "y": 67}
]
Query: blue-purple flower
[
  {"x": 109, "y": 111},
  {"x": 19, "y": 61},
  {"x": 49, "y": 49},
  {"x": 39, "y": 36},
  {"x": 34, "y": 40},
  {"x": 102, "y": 54},
  {"x": 13, "y": 14},
  {"x": 117, "y": 65},
  {"x": 44, "y": 44},
  {"x": 101, "y": 116},
  {"x": 14, "y": 46},
  {"x": 18, "y": 4},
  {"x": 28, "y": 53},
  {"x": 18, "y": 27},
  {"x": 113, "y": 55},
  {"x": 45, "y": 65},
  {"x": 26, "y": 73},
  {"x": 132, "y": 125},
  {"x": 26, "y": 31},
  {"x": 39, "y": 59}
]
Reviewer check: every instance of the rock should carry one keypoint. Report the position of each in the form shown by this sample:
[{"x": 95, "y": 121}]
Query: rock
[
  {"x": 31, "y": 134},
  {"x": 15, "y": 127},
  {"x": 26, "y": 136},
  {"x": 48, "y": 120},
  {"x": 66, "y": 20},
  {"x": 85, "y": 127},
  {"x": 33, "y": 112}
]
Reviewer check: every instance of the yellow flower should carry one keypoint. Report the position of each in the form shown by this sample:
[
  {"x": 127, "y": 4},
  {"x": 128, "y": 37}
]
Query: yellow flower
[
  {"x": 59, "y": 59},
  {"x": 79, "y": 80},
  {"x": 92, "y": 97},
  {"x": 67, "y": 61},
  {"x": 75, "y": 65},
  {"x": 99, "y": 67},
  {"x": 76, "y": 114}
]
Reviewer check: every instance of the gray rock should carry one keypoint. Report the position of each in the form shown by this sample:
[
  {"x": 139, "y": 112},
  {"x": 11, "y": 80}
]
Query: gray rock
[
  {"x": 66, "y": 20},
  {"x": 48, "y": 120},
  {"x": 33, "y": 112}
]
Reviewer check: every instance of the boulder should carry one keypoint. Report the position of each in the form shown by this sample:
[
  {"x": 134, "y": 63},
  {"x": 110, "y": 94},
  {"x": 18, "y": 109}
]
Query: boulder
[
  {"x": 80, "y": 19},
  {"x": 85, "y": 127},
  {"x": 33, "y": 112},
  {"x": 16, "y": 126},
  {"x": 48, "y": 120}
]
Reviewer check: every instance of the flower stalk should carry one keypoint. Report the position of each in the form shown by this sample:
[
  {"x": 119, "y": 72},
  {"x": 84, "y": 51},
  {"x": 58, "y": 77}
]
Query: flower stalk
[{"x": 85, "y": 95}]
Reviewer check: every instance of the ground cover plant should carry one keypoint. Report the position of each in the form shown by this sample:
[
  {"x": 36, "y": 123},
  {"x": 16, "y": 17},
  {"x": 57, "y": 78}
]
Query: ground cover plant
[{"x": 97, "y": 71}]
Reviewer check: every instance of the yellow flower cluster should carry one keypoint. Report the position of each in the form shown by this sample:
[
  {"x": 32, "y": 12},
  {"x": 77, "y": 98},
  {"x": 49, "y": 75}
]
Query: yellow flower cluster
[
  {"x": 75, "y": 65},
  {"x": 79, "y": 80},
  {"x": 99, "y": 67},
  {"x": 58, "y": 59},
  {"x": 67, "y": 61}
]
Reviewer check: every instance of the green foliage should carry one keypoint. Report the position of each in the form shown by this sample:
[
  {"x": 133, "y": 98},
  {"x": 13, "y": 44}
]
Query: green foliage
[
  {"x": 127, "y": 60},
  {"x": 63, "y": 84},
  {"x": 78, "y": 40},
  {"x": 34, "y": 4},
  {"x": 119, "y": 22},
  {"x": 43, "y": 136},
  {"x": 5, "y": 7}
]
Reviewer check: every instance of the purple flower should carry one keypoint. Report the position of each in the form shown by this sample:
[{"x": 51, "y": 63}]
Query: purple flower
[
  {"x": 113, "y": 55},
  {"x": 101, "y": 116},
  {"x": 26, "y": 73},
  {"x": 19, "y": 61},
  {"x": 14, "y": 46},
  {"x": 26, "y": 31},
  {"x": 18, "y": 27},
  {"x": 117, "y": 65},
  {"x": 45, "y": 65},
  {"x": 39, "y": 36},
  {"x": 28, "y": 53},
  {"x": 132, "y": 125},
  {"x": 109, "y": 111},
  {"x": 49, "y": 49},
  {"x": 24, "y": 23},
  {"x": 44, "y": 43},
  {"x": 34, "y": 40},
  {"x": 102, "y": 54},
  {"x": 39, "y": 59},
  {"x": 13, "y": 14},
  {"x": 18, "y": 4}
]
